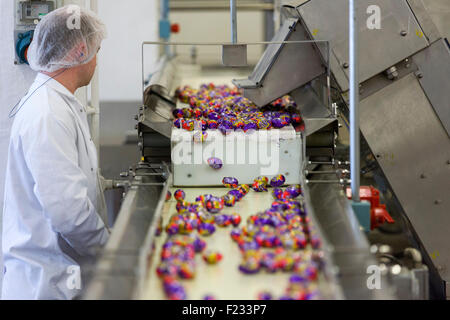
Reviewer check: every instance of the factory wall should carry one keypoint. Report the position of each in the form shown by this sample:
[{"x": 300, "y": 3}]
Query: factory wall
[
  {"x": 214, "y": 26},
  {"x": 129, "y": 23}
]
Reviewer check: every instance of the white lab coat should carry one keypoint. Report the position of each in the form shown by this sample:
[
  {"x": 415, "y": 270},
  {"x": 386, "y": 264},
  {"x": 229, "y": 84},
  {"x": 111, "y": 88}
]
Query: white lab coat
[{"x": 50, "y": 221}]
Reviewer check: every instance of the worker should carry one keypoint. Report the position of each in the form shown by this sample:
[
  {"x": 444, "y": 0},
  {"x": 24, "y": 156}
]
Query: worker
[{"x": 51, "y": 222}]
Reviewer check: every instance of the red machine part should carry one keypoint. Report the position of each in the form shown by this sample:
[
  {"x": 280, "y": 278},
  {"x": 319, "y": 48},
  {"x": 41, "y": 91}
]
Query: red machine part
[
  {"x": 175, "y": 28},
  {"x": 26, "y": 53},
  {"x": 378, "y": 212}
]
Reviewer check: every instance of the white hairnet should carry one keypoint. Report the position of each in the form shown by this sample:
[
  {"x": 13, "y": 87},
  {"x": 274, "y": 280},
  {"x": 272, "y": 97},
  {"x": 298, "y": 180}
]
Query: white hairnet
[{"x": 65, "y": 38}]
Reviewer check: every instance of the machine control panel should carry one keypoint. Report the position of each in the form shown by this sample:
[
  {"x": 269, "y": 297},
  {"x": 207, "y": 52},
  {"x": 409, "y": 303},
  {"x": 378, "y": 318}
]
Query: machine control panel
[
  {"x": 34, "y": 10},
  {"x": 27, "y": 16}
]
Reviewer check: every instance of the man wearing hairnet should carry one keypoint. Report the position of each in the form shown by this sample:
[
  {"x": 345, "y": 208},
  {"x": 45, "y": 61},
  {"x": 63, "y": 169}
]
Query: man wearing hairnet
[{"x": 51, "y": 224}]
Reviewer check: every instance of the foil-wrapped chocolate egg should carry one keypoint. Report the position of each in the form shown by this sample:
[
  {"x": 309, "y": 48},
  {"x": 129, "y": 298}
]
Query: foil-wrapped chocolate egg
[
  {"x": 294, "y": 191},
  {"x": 236, "y": 193},
  {"x": 178, "y": 123},
  {"x": 199, "y": 245},
  {"x": 172, "y": 228},
  {"x": 259, "y": 186},
  {"x": 250, "y": 266},
  {"x": 213, "y": 124},
  {"x": 206, "y": 229},
  {"x": 226, "y": 127},
  {"x": 277, "y": 193},
  {"x": 244, "y": 188},
  {"x": 174, "y": 290},
  {"x": 188, "y": 125},
  {"x": 197, "y": 112},
  {"x": 265, "y": 295},
  {"x": 230, "y": 182},
  {"x": 263, "y": 124},
  {"x": 236, "y": 234},
  {"x": 278, "y": 123},
  {"x": 229, "y": 200},
  {"x": 222, "y": 220},
  {"x": 235, "y": 219},
  {"x": 215, "y": 163},
  {"x": 188, "y": 113},
  {"x": 213, "y": 116},
  {"x": 204, "y": 124},
  {"x": 177, "y": 113},
  {"x": 249, "y": 126},
  {"x": 206, "y": 217},
  {"x": 186, "y": 270},
  {"x": 214, "y": 205},
  {"x": 296, "y": 119},
  {"x": 238, "y": 124},
  {"x": 179, "y": 195},
  {"x": 166, "y": 268},
  {"x": 212, "y": 257},
  {"x": 277, "y": 181}
]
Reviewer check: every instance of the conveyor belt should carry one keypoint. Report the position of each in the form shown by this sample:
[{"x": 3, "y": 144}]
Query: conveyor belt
[
  {"x": 132, "y": 275},
  {"x": 224, "y": 280}
]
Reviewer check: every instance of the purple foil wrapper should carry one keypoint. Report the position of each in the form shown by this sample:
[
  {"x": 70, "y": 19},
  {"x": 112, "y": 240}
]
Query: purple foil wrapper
[
  {"x": 294, "y": 191},
  {"x": 213, "y": 124},
  {"x": 236, "y": 194},
  {"x": 278, "y": 123},
  {"x": 297, "y": 279},
  {"x": 277, "y": 181},
  {"x": 277, "y": 193},
  {"x": 215, "y": 163},
  {"x": 249, "y": 267},
  {"x": 213, "y": 116},
  {"x": 249, "y": 245},
  {"x": 230, "y": 181},
  {"x": 178, "y": 122},
  {"x": 199, "y": 245},
  {"x": 264, "y": 296},
  {"x": 207, "y": 226},
  {"x": 222, "y": 220},
  {"x": 250, "y": 126},
  {"x": 236, "y": 232},
  {"x": 229, "y": 200}
]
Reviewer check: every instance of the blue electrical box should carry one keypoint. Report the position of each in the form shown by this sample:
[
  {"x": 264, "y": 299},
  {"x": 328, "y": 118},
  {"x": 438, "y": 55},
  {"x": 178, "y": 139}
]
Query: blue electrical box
[{"x": 164, "y": 29}]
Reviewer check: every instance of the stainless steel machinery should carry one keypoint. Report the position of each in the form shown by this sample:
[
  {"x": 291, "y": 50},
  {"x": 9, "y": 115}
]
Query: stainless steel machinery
[
  {"x": 405, "y": 125},
  {"x": 404, "y": 109}
]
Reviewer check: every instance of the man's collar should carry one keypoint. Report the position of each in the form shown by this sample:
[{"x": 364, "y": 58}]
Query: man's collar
[{"x": 54, "y": 84}]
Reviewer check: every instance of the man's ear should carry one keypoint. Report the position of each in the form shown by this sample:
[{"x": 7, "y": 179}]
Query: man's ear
[{"x": 78, "y": 53}]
